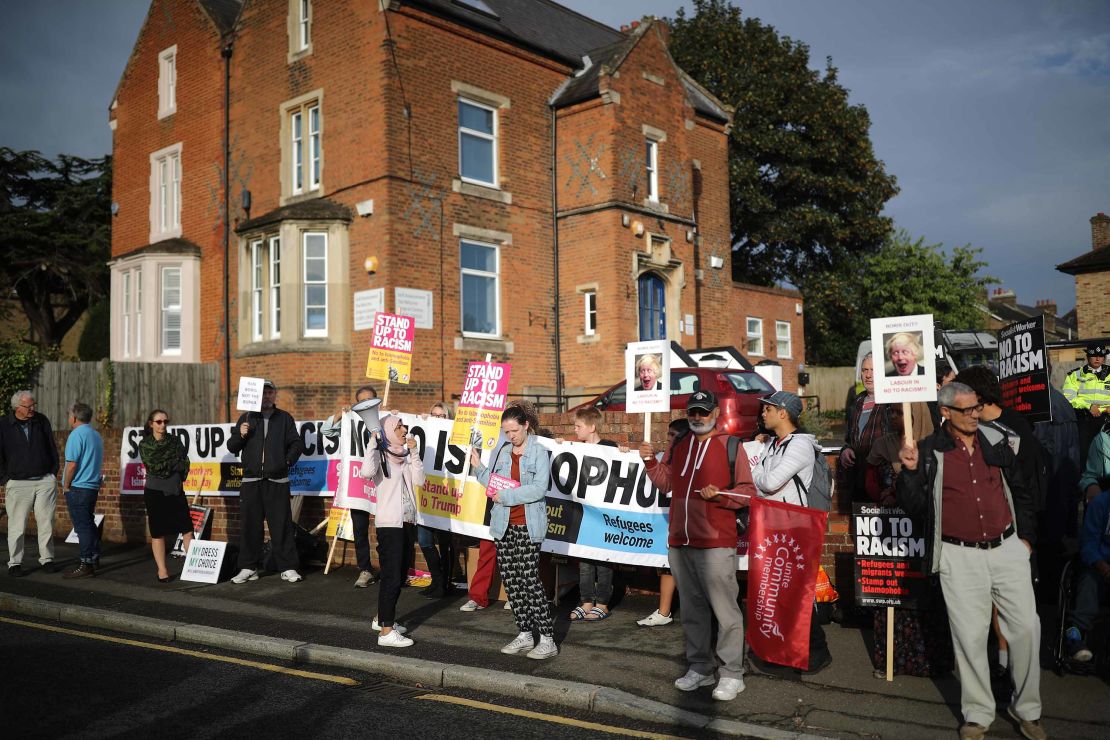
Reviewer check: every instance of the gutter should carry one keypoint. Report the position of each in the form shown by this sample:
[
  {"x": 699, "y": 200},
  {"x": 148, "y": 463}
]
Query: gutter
[
  {"x": 555, "y": 242},
  {"x": 226, "y": 54}
]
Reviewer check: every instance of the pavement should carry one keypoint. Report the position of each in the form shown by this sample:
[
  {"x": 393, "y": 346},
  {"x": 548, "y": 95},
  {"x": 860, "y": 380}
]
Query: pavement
[{"x": 610, "y": 668}]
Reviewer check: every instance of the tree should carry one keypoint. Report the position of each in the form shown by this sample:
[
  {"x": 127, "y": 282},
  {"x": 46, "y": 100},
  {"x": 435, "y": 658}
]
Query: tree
[
  {"x": 904, "y": 277},
  {"x": 805, "y": 188},
  {"x": 55, "y": 237}
]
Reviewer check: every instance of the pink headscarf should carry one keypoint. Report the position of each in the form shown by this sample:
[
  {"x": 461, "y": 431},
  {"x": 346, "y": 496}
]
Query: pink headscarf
[{"x": 395, "y": 441}]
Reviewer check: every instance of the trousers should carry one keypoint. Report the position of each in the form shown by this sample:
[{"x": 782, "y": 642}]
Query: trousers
[
  {"x": 20, "y": 498},
  {"x": 391, "y": 558},
  {"x": 707, "y": 588},
  {"x": 259, "y": 501}
]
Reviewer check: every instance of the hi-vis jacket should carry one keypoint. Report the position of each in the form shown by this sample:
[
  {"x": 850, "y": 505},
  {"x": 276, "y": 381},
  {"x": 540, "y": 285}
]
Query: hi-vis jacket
[{"x": 1084, "y": 387}]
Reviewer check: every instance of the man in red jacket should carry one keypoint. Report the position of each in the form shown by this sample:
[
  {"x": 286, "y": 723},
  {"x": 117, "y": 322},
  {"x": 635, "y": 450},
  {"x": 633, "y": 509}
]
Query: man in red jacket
[{"x": 702, "y": 540}]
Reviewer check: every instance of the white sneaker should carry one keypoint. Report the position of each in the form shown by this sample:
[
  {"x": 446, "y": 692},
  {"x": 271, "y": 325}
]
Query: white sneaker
[
  {"x": 728, "y": 688},
  {"x": 396, "y": 626},
  {"x": 246, "y": 574},
  {"x": 363, "y": 579},
  {"x": 655, "y": 619},
  {"x": 522, "y": 644},
  {"x": 692, "y": 680},
  {"x": 508, "y": 606},
  {"x": 291, "y": 575},
  {"x": 471, "y": 606},
  {"x": 546, "y": 649},
  {"x": 394, "y": 640}
]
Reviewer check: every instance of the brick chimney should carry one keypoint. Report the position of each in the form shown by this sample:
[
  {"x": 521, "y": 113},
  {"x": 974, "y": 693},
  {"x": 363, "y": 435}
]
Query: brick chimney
[
  {"x": 1003, "y": 296},
  {"x": 1100, "y": 231},
  {"x": 1048, "y": 309}
]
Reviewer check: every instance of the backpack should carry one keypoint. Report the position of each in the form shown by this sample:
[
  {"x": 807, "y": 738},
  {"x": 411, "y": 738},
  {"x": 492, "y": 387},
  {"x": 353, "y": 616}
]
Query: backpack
[{"x": 819, "y": 494}]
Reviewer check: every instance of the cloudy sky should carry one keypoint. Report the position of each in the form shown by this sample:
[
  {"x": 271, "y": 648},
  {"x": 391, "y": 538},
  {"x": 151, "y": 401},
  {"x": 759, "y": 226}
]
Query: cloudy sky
[{"x": 994, "y": 115}]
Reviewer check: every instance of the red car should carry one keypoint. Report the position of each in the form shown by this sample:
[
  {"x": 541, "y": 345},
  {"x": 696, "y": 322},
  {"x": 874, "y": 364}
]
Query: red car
[{"x": 738, "y": 394}]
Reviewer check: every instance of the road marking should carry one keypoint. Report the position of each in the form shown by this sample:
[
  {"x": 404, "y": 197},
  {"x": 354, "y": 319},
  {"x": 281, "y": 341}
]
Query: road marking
[
  {"x": 191, "y": 653},
  {"x": 544, "y": 717}
]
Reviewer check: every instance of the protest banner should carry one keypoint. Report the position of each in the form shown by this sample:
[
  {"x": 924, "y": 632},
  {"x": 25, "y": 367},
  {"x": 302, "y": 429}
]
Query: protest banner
[
  {"x": 785, "y": 553},
  {"x": 485, "y": 394},
  {"x": 203, "y": 561},
  {"x": 904, "y": 359},
  {"x": 1023, "y": 369},
  {"x": 390, "y": 357},
  {"x": 250, "y": 394},
  {"x": 352, "y": 491}
]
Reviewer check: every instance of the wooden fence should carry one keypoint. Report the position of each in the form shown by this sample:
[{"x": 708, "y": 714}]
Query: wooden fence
[
  {"x": 830, "y": 384},
  {"x": 189, "y": 391}
]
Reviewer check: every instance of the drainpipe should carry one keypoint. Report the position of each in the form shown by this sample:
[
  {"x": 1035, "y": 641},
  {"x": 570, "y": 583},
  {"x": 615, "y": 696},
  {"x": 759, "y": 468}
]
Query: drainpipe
[
  {"x": 555, "y": 241},
  {"x": 226, "y": 54}
]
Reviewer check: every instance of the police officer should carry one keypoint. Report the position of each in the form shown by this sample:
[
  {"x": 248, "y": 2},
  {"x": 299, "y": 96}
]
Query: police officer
[{"x": 1087, "y": 389}]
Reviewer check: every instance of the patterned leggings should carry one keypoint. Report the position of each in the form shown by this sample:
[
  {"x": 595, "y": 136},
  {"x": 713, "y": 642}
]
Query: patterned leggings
[{"x": 518, "y": 561}]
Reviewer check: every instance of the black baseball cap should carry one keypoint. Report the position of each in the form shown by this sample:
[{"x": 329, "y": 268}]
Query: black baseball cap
[
  {"x": 1096, "y": 349},
  {"x": 269, "y": 384},
  {"x": 704, "y": 400}
]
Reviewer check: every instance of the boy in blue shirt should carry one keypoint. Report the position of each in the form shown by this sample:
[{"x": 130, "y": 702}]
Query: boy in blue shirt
[{"x": 81, "y": 485}]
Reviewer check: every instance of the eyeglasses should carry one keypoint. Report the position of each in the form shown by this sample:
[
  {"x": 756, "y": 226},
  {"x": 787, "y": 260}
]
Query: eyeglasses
[
  {"x": 698, "y": 412},
  {"x": 440, "y": 415},
  {"x": 967, "y": 410},
  {"x": 159, "y": 421},
  {"x": 28, "y": 405}
]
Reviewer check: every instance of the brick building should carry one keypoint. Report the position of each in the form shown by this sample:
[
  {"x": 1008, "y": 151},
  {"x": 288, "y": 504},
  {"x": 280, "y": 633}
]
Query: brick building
[
  {"x": 527, "y": 182},
  {"x": 1092, "y": 281}
]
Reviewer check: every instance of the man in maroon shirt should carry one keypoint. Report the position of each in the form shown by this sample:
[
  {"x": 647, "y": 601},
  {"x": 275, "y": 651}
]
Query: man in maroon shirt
[{"x": 979, "y": 514}]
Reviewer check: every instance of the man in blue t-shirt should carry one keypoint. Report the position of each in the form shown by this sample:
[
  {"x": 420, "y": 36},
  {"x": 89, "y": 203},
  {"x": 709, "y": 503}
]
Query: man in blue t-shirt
[{"x": 81, "y": 485}]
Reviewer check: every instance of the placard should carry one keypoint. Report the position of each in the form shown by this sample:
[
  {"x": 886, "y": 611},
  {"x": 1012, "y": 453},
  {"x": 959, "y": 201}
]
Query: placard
[
  {"x": 1023, "y": 369},
  {"x": 484, "y": 397},
  {"x": 250, "y": 394},
  {"x": 648, "y": 375},
  {"x": 368, "y": 303},
  {"x": 340, "y": 524},
  {"x": 904, "y": 358},
  {"x": 390, "y": 355},
  {"x": 199, "y": 515},
  {"x": 414, "y": 303},
  {"x": 203, "y": 561},
  {"x": 889, "y": 561},
  {"x": 73, "y": 539}
]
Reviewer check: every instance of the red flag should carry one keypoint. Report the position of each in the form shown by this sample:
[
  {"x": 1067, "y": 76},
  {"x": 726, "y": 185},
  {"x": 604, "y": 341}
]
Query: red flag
[{"x": 783, "y": 558}]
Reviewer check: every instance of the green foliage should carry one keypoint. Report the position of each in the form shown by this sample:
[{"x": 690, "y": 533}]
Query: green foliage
[
  {"x": 805, "y": 188},
  {"x": 55, "y": 237},
  {"x": 96, "y": 336},
  {"x": 904, "y": 277},
  {"x": 19, "y": 363}
]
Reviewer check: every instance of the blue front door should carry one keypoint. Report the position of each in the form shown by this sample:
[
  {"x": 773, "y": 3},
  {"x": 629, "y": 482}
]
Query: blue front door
[{"x": 653, "y": 309}]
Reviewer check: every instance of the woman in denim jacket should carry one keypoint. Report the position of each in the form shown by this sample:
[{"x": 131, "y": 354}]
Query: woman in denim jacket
[{"x": 518, "y": 523}]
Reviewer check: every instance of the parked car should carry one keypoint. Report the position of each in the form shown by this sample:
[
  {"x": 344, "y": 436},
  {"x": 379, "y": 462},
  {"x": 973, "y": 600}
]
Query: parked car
[{"x": 738, "y": 394}]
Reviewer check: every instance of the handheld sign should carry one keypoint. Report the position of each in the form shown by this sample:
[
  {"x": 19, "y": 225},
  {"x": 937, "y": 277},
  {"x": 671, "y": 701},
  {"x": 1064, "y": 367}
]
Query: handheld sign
[
  {"x": 203, "y": 561},
  {"x": 250, "y": 394},
  {"x": 904, "y": 359},
  {"x": 390, "y": 356},
  {"x": 1023, "y": 370},
  {"x": 484, "y": 397},
  {"x": 648, "y": 372}
]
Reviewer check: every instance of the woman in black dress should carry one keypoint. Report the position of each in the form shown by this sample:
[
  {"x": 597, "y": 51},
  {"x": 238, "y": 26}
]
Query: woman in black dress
[{"x": 167, "y": 467}]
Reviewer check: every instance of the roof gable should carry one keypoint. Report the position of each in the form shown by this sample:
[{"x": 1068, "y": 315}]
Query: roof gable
[{"x": 1097, "y": 260}]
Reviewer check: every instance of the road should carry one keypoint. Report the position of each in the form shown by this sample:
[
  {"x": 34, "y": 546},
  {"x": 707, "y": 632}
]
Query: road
[{"x": 94, "y": 684}]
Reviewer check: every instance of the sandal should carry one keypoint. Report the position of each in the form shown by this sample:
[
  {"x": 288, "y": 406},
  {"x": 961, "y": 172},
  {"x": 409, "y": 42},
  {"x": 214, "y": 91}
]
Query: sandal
[
  {"x": 578, "y": 614},
  {"x": 597, "y": 614}
]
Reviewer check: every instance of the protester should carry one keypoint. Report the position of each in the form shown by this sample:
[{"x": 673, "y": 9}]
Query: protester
[
  {"x": 1092, "y": 586},
  {"x": 964, "y": 485},
  {"x": 81, "y": 486},
  {"x": 1087, "y": 389},
  {"x": 784, "y": 472},
  {"x": 648, "y": 369},
  {"x": 518, "y": 524},
  {"x": 28, "y": 464},
  {"x": 1059, "y": 438},
  {"x": 905, "y": 354},
  {"x": 439, "y": 410},
  {"x": 945, "y": 375},
  {"x": 395, "y": 466},
  {"x": 595, "y": 579},
  {"x": 1096, "y": 476},
  {"x": 664, "y": 615},
  {"x": 268, "y": 444},
  {"x": 702, "y": 546},
  {"x": 167, "y": 467},
  {"x": 922, "y": 640},
  {"x": 436, "y": 544}
]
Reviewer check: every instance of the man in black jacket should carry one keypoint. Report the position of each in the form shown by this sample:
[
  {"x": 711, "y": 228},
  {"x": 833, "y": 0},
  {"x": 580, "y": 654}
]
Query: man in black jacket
[
  {"x": 28, "y": 464},
  {"x": 268, "y": 444},
  {"x": 965, "y": 486}
]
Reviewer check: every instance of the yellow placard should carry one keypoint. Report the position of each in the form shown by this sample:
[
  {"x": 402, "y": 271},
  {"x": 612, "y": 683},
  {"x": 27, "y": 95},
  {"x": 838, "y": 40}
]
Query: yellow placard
[
  {"x": 489, "y": 426},
  {"x": 339, "y": 524}
]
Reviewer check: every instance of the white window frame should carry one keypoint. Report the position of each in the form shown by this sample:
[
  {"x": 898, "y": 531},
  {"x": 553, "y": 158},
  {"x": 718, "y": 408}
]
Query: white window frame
[
  {"x": 165, "y": 193},
  {"x": 257, "y": 288},
  {"x": 168, "y": 310},
  {"x": 304, "y": 24},
  {"x": 752, "y": 335},
  {"x": 306, "y": 332},
  {"x": 783, "y": 341},
  {"x": 167, "y": 82},
  {"x": 138, "y": 273},
  {"x": 275, "y": 287},
  {"x": 125, "y": 311},
  {"x": 496, "y": 275},
  {"x": 296, "y": 150},
  {"x": 651, "y": 165},
  {"x": 315, "y": 148},
  {"x": 590, "y": 306},
  {"x": 464, "y": 131}
]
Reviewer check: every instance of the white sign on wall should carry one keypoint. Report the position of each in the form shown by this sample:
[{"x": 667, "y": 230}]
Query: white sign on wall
[
  {"x": 368, "y": 303},
  {"x": 203, "y": 561},
  {"x": 414, "y": 303}
]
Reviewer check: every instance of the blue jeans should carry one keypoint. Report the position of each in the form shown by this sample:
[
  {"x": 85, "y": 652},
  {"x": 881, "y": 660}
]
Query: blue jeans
[{"x": 81, "y": 503}]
